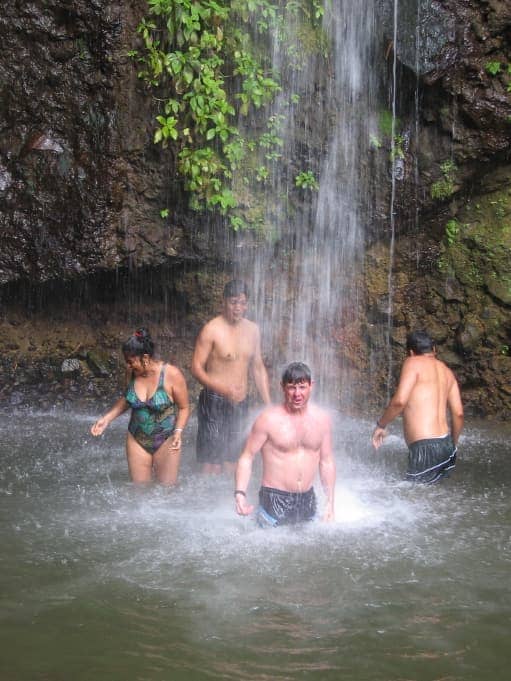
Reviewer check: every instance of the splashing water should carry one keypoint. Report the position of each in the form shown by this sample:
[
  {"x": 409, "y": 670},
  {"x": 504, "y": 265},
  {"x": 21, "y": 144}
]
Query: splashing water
[{"x": 105, "y": 579}]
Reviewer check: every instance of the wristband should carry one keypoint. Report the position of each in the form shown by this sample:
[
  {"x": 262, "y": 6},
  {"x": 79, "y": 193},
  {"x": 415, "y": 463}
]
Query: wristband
[
  {"x": 378, "y": 425},
  {"x": 239, "y": 491},
  {"x": 178, "y": 430}
]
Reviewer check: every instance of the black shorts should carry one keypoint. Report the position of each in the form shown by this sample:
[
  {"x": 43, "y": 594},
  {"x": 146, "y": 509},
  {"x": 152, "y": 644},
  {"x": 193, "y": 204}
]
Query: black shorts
[
  {"x": 221, "y": 428},
  {"x": 277, "y": 507},
  {"x": 431, "y": 460}
]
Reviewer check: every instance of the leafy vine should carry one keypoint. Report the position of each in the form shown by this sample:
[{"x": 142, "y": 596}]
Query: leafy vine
[{"x": 206, "y": 64}]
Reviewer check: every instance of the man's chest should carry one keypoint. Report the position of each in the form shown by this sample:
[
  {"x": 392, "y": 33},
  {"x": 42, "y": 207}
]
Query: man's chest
[
  {"x": 234, "y": 347},
  {"x": 292, "y": 439}
]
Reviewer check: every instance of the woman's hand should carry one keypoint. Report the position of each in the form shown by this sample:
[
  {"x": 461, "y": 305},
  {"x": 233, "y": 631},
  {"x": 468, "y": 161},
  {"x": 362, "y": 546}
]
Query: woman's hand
[
  {"x": 99, "y": 426},
  {"x": 175, "y": 440}
]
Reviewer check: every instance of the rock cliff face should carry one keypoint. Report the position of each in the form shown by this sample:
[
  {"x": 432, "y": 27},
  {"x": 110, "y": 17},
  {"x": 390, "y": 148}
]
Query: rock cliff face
[
  {"x": 451, "y": 269},
  {"x": 86, "y": 255},
  {"x": 81, "y": 184}
]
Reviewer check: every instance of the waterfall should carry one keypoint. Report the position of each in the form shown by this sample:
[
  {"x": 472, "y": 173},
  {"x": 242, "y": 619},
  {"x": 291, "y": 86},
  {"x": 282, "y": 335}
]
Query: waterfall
[
  {"x": 392, "y": 197},
  {"x": 306, "y": 281}
]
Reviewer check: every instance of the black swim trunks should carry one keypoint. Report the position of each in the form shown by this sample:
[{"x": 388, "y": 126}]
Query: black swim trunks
[
  {"x": 431, "y": 460},
  {"x": 221, "y": 427},
  {"x": 284, "y": 508}
]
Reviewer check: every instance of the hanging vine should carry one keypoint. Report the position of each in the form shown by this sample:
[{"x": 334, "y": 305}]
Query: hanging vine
[{"x": 206, "y": 63}]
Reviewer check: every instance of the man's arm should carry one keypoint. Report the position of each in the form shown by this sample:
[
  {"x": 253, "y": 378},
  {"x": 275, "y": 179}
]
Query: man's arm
[
  {"x": 398, "y": 402},
  {"x": 259, "y": 372},
  {"x": 201, "y": 353},
  {"x": 456, "y": 409},
  {"x": 256, "y": 439},
  {"x": 327, "y": 472}
]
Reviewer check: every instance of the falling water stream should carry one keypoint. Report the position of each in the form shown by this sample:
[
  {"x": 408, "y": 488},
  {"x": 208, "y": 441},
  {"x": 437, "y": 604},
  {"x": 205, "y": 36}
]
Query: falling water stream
[
  {"x": 307, "y": 295},
  {"x": 101, "y": 580}
]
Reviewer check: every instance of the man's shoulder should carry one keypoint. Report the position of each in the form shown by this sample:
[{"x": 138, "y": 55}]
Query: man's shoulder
[
  {"x": 212, "y": 325},
  {"x": 319, "y": 413},
  {"x": 272, "y": 413},
  {"x": 249, "y": 326}
]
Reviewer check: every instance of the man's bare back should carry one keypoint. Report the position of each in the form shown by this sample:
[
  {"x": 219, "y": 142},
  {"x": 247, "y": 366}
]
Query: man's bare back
[
  {"x": 431, "y": 386},
  {"x": 427, "y": 391}
]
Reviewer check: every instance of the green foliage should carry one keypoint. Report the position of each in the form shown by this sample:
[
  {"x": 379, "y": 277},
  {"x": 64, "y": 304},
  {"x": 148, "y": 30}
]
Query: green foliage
[
  {"x": 306, "y": 180},
  {"x": 374, "y": 142},
  {"x": 388, "y": 127},
  {"x": 493, "y": 67},
  {"x": 452, "y": 229},
  {"x": 397, "y": 150},
  {"x": 387, "y": 124},
  {"x": 444, "y": 188},
  {"x": 191, "y": 50}
]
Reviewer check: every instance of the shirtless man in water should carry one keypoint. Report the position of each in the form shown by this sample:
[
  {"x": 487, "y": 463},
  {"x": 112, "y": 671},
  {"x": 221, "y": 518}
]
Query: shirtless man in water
[
  {"x": 227, "y": 348},
  {"x": 427, "y": 390},
  {"x": 295, "y": 440}
]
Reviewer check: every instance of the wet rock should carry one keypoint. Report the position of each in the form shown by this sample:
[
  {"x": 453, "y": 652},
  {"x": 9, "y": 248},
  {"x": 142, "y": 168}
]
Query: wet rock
[
  {"x": 450, "y": 289},
  {"x": 16, "y": 398},
  {"x": 70, "y": 366},
  {"x": 452, "y": 359},
  {"x": 425, "y": 30},
  {"x": 98, "y": 363},
  {"x": 470, "y": 334},
  {"x": 499, "y": 288}
]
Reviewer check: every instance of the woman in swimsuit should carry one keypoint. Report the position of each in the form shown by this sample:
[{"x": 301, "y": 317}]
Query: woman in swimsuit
[{"x": 158, "y": 398}]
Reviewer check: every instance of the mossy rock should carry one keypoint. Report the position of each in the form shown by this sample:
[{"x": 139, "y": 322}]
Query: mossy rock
[{"x": 479, "y": 255}]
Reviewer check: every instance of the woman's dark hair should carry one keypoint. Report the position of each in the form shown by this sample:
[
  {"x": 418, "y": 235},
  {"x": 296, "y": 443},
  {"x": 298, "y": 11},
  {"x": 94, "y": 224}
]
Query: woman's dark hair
[
  {"x": 419, "y": 342},
  {"x": 296, "y": 372},
  {"x": 235, "y": 288},
  {"x": 138, "y": 344}
]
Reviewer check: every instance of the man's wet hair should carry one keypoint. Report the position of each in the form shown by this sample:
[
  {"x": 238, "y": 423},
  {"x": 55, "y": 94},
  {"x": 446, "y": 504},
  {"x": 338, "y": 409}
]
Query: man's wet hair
[
  {"x": 138, "y": 344},
  {"x": 296, "y": 372},
  {"x": 419, "y": 342},
  {"x": 235, "y": 288}
]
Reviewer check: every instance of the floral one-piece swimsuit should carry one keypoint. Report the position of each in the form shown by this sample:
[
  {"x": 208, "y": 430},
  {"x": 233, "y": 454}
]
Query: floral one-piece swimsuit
[{"x": 152, "y": 422}]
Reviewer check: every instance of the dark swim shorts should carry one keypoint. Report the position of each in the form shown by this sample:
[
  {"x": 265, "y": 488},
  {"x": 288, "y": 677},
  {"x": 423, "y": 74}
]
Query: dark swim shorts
[
  {"x": 221, "y": 427},
  {"x": 285, "y": 508},
  {"x": 431, "y": 460}
]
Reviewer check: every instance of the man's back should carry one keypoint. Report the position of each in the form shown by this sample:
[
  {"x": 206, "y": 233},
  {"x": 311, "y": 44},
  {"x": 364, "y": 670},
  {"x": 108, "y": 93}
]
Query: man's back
[{"x": 431, "y": 383}]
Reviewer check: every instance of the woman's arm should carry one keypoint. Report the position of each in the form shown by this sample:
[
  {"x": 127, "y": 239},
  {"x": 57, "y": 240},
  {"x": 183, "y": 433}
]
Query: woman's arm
[
  {"x": 119, "y": 408},
  {"x": 178, "y": 393}
]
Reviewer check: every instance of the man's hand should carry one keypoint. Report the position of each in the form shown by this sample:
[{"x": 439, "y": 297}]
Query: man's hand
[
  {"x": 242, "y": 507},
  {"x": 236, "y": 393},
  {"x": 378, "y": 436},
  {"x": 329, "y": 515}
]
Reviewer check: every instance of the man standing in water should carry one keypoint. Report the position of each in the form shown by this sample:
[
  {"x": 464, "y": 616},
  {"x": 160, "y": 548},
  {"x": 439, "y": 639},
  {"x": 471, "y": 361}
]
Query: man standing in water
[
  {"x": 227, "y": 348},
  {"x": 427, "y": 389},
  {"x": 295, "y": 440}
]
